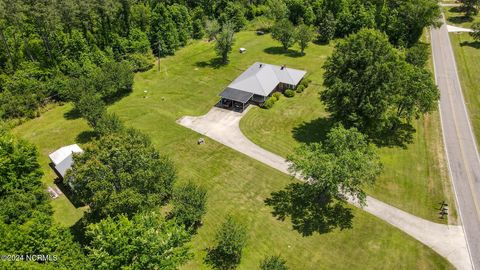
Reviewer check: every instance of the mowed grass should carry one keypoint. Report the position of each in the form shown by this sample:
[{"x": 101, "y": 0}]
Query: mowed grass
[
  {"x": 50, "y": 131},
  {"x": 237, "y": 185},
  {"x": 414, "y": 179},
  {"x": 455, "y": 16},
  {"x": 467, "y": 56}
]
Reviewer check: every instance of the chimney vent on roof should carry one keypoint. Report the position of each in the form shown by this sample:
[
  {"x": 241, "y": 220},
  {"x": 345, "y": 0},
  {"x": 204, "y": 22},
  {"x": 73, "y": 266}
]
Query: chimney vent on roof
[
  {"x": 283, "y": 67},
  {"x": 261, "y": 65}
]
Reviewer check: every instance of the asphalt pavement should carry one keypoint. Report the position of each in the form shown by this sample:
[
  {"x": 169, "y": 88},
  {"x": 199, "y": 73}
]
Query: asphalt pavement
[{"x": 461, "y": 148}]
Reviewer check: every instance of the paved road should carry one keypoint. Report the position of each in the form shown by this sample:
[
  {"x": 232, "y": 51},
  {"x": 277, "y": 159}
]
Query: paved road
[
  {"x": 449, "y": 241},
  {"x": 462, "y": 153}
]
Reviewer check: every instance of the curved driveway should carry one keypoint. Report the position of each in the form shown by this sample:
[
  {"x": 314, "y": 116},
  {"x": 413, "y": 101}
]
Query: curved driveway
[{"x": 223, "y": 126}]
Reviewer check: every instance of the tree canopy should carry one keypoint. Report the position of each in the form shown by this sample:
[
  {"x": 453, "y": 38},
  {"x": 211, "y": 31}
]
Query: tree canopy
[
  {"x": 343, "y": 164},
  {"x": 145, "y": 241},
  {"x": 230, "y": 238},
  {"x": 122, "y": 173},
  {"x": 370, "y": 86},
  {"x": 335, "y": 170},
  {"x": 225, "y": 39},
  {"x": 189, "y": 204},
  {"x": 284, "y": 32},
  {"x": 26, "y": 225},
  {"x": 273, "y": 263}
]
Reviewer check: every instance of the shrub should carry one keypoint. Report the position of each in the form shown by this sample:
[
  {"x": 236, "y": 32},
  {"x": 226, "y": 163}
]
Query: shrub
[
  {"x": 269, "y": 103},
  {"x": 273, "y": 263},
  {"x": 300, "y": 88},
  {"x": 289, "y": 93},
  {"x": 305, "y": 83},
  {"x": 277, "y": 95},
  {"x": 140, "y": 62}
]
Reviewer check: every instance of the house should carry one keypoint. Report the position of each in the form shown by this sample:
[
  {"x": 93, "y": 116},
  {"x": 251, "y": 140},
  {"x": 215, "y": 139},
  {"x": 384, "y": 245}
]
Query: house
[
  {"x": 258, "y": 82},
  {"x": 62, "y": 159}
]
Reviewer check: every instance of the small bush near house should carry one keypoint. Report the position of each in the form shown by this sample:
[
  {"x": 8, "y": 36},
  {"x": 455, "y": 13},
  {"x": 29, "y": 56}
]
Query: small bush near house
[
  {"x": 277, "y": 95},
  {"x": 304, "y": 83},
  {"x": 289, "y": 93},
  {"x": 300, "y": 88},
  {"x": 269, "y": 103}
]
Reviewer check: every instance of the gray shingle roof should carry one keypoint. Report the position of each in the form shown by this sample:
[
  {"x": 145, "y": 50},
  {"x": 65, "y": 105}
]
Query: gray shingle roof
[
  {"x": 236, "y": 95},
  {"x": 261, "y": 79}
]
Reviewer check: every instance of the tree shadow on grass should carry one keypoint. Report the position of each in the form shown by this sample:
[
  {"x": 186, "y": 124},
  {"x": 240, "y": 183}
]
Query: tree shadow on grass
[
  {"x": 78, "y": 230},
  {"x": 313, "y": 131},
  {"x": 459, "y": 19},
  {"x": 215, "y": 63},
  {"x": 67, "y": 191},
  {"x": 458, "y": 9},
  {"x": 310, "y": 210},
  {"x": 72, "y": 114},
  {"x": 280, "y": 50},
  {"x": 86, "y": 136},
  {"x": 475, "y": 44},
  {"x": 400, "y": 136},
  {"x": 316, "y": 131}
]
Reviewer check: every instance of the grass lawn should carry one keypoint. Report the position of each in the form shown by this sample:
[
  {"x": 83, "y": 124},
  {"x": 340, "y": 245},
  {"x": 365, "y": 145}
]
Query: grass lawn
[
  {"x": 188, "y": 84},
  {"x": 467, "y": 55},
  {"x": 455, "y": 16}
]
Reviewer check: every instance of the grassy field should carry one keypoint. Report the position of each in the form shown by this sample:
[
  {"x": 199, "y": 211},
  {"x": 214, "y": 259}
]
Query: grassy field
[
  {"x": 467, "y": 55},
  {"x": 188, "y": 84}
]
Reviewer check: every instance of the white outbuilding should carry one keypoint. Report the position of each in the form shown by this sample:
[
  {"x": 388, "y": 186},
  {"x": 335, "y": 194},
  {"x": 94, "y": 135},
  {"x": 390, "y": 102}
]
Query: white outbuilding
[{"x": 62, "y": 159}]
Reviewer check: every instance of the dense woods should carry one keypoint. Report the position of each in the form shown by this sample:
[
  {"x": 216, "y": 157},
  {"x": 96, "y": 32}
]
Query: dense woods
[{"x": 59, "y": 50}]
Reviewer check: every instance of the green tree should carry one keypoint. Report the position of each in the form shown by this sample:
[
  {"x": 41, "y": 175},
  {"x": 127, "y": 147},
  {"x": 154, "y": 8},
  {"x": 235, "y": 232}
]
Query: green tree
[
  {"x": 145, "y": 241},
  {"x": 418, "y": 54},
  {"x": 304, "y": 35},
  {"x": 273, "y": 263},
  {"x": 212, "y": 28},
  {"x": 91, "y": 107},
  {"x": 470, "y": 7},
  {"x": 284, "y": 32},
  {"x": 198, "y": 29},
  {"x": 327, "y": 27},
  {"x": 114, "y": 80},
  {"x": 26, "y": 224},
  {"x": 300, "y": 11},
  {"x": 225, "y": 40},
  {"x": 476, "y": 31},
  {"x": 231, "y": 238},
  {"x": 163, "y": 31},
  {"x": 344, "y": 164},
  {"x": 108, "y": 124},
  {"x": 121, "y": 173},
  {"x": 369, "y": 86},
  {"x": 189, "y": 204},
  {"x": 20, "y": 184},
  {"x": 276, "y": 9},
  {"x": 183, "y": 22},
  {"x": 405, "y": 20},
  {"x": 234, "y": 13}
]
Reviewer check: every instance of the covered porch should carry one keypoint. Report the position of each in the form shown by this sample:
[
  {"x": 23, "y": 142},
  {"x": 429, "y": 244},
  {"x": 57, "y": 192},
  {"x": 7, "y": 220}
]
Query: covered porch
[{"x": 235, "y": 99}]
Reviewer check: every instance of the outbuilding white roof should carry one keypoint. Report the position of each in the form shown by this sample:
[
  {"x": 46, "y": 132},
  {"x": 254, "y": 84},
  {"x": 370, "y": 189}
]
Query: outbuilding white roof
[
  {"x": 63, "y": 158},
  {"x": 261, "y": 79}
]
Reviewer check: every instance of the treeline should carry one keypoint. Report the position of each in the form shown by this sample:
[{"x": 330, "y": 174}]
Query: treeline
[
  {"x": 47, "y": 46},
  {"x": 57, "y": 50}
]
